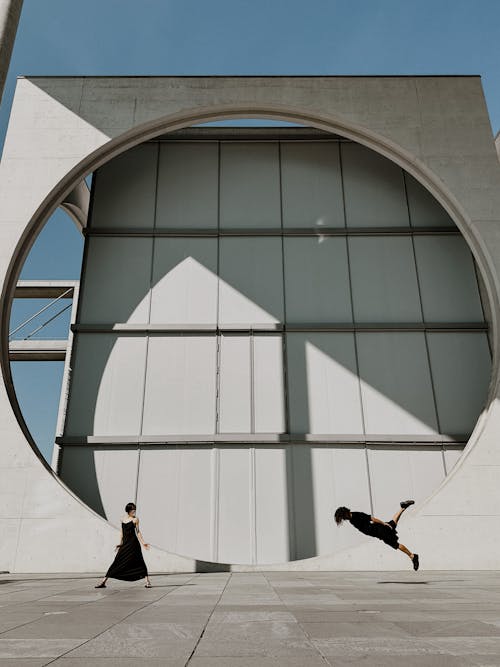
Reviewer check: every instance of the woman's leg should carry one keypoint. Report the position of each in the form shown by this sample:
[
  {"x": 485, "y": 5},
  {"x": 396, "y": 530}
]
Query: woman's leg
[
  {"x": 148, "y": 583},
  {"x": 102, "y": 584}
]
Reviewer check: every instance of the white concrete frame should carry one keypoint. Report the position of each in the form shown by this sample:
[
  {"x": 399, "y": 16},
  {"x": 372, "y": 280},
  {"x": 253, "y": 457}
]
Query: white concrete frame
[{"x": 436, "y": 128}]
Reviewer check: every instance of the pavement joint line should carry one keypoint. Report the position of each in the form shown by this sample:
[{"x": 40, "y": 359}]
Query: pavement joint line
[
  {"x": 113, "y": 624},
  {"x": 306, "y": 634},
  {"x": 208, "y": 619},
  {"x": 21, "y": 625}
]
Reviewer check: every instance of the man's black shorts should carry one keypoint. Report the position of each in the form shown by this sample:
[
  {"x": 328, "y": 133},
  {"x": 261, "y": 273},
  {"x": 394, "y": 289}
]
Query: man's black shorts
[{"x": 387, "y": 535}]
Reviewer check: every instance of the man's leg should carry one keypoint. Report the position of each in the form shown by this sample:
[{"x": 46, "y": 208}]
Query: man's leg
[
  {"x": 412, "y": 557},
  {"x": 404, "y": 505}
]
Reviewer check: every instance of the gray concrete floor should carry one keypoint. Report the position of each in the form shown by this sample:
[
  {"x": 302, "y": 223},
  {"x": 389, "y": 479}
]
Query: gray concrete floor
[{"x": 238, "y": 620}]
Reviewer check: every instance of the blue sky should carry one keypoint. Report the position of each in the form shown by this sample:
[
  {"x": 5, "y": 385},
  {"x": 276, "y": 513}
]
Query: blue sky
[{"x": 331, "y": 37}]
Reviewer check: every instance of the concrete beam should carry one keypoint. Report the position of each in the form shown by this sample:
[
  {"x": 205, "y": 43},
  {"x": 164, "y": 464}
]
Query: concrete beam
[
  {"x": 37, "y": 350},
  {"x": 10, "y": 12},
  {"x": 45, "y": 289}
]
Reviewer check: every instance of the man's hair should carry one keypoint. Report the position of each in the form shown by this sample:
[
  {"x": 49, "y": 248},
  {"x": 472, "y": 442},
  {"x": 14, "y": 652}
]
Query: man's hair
[
  {"x": 129, "y": 507},
  {"x": 341, "y": 514}
]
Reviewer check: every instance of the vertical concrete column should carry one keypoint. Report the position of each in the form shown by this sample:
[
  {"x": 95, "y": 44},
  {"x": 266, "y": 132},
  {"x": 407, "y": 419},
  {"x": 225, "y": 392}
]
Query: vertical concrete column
[{"x": 10, "y": 11}]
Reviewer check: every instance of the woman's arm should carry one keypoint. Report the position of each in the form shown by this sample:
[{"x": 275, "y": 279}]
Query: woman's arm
[
  {"x": 139, "y": 535},
  {"x": 121, "y": 537}
]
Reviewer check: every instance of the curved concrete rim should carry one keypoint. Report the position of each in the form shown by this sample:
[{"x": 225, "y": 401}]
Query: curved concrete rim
[{"x": 199, "y": 115}]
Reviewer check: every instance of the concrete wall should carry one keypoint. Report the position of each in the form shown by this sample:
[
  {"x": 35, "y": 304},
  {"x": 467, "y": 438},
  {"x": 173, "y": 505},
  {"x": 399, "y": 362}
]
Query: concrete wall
[{"x": 437, "y": 128}]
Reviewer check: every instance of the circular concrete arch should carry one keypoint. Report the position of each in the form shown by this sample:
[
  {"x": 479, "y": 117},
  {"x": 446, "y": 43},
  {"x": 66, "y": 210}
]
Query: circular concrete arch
[{"x": 177, "y": 121}]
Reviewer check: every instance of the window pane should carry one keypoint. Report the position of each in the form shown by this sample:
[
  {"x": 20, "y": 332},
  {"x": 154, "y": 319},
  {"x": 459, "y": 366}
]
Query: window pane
[
  {"x": 251, "y": 286},
  {"x": 447, "y": 280},
  {"x": 235, "y": 384},
  {"x": 425, "y": 211},
  {"x": 323, "y": 386},
  {"x": 102, "y": 477},
  {"x": 180, "y": 385},
  {"x": 384, "y": 280},
  {"x": 374, "y": 189},
  {"x": 188, "y": 185},
  {"x": 125, "y": 190},
  {"x": 312, "y": 187},
  {"x": 117, "y": 279},
  {"x": 396, "y": 384},
  {"x": 317, "y": 280},
  {"x": 268, "y": 384},
  {"x": 250, "y": 185},
  {"x": 461, "y": 370},
  {"x": 107, "y": 385},
  {"x": 185, "y": 282}
]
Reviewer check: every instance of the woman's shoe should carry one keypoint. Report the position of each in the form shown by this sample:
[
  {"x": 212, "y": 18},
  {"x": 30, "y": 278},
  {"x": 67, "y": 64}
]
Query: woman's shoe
[
  {"x": 415, "y": 562},
  {"x": 100, "y": 586},
  {"x": 148, "y": 586}
]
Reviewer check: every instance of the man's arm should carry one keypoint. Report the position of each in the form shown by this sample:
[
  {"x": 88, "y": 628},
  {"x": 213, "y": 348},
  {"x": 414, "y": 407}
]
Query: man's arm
[{"x": 375, "y": 520}]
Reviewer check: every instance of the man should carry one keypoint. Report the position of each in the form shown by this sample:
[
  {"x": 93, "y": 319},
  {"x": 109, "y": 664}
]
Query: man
[{"x": 370, "y": 525}]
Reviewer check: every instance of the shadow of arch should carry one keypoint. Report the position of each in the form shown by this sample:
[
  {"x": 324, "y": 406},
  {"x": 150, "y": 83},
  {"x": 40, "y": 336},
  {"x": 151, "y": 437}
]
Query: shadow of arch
[{"x": 330, "y": 123}]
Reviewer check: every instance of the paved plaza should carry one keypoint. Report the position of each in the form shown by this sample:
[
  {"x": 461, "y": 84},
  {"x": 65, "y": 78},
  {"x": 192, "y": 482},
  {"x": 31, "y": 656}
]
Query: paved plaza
[{"x": 239, "y": 620}]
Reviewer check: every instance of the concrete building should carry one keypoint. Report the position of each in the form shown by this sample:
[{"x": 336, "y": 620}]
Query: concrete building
[{"x": 270, "y": 322}]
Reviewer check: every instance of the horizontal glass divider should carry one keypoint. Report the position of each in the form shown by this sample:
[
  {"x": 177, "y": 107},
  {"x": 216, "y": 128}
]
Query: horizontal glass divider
[
  {"x": 273, "y": 232},
  {"x": 175, "y": 329},
  {"x": 265, "y": 438}
]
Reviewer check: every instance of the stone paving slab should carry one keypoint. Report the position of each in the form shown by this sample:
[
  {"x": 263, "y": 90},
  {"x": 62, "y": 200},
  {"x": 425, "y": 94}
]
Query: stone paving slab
[{"x": 273, "y": 619}]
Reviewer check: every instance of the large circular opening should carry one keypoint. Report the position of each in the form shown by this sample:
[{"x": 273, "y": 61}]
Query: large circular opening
[{"x": 272, "y": 322}]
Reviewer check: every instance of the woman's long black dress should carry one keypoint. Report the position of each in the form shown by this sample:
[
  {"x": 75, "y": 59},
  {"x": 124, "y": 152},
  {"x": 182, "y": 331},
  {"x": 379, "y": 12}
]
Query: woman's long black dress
[{"x": 129, "y": 564}]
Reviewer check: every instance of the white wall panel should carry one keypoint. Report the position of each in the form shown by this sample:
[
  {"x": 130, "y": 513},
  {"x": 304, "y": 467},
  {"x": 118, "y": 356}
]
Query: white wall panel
[
  {"x": 374, "y": 189},
  {"x": 447, "y": 280},
  {"x": 398, "y": 474},
  {"x": 317, "y": 280},
  {"x": 323, "y": 386},
  {"x": 236, "y": 518},
  {"x": 107, "y": 385},
  {"x": 351, "y": 489},
  {"x": 180, "y": 385},
  {"x": 268, "y": 384},
  {"x": 312, "y": 187},
  {"x": 116, "y": 471},
  {"x": 188, "y": 180},
  {"x": 158, "y": 497},
  {"x": 249, "y": 185},
  {"x": 384, "y": 280},
  {"x": 425, "y": 211},
  {"x": 396, "y": 384},
  {"x": 235, "y": 384},
  {"x": 125, "y": 190},
  {"x": 117, "y": 279},
  {"x": 271, "y": 513},
  {"x": 251, "y": 285},
  {"x": 194, "y": 519},
  {"x": 461, "y": 370},
  {"x": 185, "y": 282}
]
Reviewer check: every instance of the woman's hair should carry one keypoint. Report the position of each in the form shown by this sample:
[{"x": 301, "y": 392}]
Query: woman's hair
[
  {"x": 129, "y": 507},
  {"x": 341, "y": 514}
]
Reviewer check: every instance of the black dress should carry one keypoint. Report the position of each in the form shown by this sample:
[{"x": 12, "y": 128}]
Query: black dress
[{"x": 129, "y": 564}]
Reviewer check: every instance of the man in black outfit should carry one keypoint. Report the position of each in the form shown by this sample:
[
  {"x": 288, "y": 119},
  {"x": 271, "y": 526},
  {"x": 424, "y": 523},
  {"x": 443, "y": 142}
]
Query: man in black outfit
[{"x": 385, "y": 531}]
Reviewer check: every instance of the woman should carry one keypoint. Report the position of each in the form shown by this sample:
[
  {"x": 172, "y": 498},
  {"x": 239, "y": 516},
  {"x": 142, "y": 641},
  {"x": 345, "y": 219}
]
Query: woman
[
  {"x": 385, "y": 531},
  {"x": 129, "y": 564}
]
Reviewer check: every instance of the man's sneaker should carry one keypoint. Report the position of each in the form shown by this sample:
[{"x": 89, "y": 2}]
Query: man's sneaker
[
  {"x": 415, "y": 561},
  {"x": 406, "y": 503}
]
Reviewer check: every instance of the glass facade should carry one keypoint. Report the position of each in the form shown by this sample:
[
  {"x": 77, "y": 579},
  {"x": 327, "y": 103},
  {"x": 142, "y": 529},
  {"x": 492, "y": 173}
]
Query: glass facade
[{"x": 280, "y": 321}]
